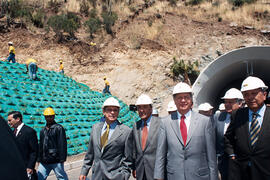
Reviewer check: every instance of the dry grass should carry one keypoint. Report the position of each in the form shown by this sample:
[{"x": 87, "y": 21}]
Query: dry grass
[{"x": 243, "y": 16}]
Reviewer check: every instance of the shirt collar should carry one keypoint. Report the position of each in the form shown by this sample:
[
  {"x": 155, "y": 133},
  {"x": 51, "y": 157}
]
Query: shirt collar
[
  {"x": 187, "y": 115},
  {"x": 20, "y": 127},
  {"x": 147, "y": 121},
  {"x": 260, "y": 112},
  {"x": 112, "y": 125}
]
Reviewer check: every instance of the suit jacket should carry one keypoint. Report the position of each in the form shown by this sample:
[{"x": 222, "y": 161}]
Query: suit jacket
[
  {"x": 145, "y": 159},
  {"x": 114, "y": 161},
  {"x": 196, "y": 160},
  {"x": 250, "y": 163},
  {"x": 219, "y": 126},
  {"x": 11, "y": 164},
  {"x": 28, "y": 145}
]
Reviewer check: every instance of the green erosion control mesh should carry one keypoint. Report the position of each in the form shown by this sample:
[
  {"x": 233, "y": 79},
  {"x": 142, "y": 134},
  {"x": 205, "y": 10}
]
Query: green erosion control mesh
[{"x": 77, "y": 107}]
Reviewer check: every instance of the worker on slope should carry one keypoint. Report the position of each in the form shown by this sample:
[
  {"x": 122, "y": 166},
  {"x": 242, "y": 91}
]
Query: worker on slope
[
  {"x": 107, "y": 86},
  {"x": 11, "y": 51},
  {"x": 61, "y": 67},
  {"x": 31, "y": 66}
]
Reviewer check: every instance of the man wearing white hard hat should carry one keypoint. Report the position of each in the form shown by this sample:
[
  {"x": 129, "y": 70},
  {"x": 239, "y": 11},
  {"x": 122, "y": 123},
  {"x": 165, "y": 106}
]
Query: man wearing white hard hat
[
  {"x": 233, "y": 100},
  {"x": 171, "y": 107},
  {"x": 186, "y": 142},
  {"x": 110, "y": 147},
  {"x": 247, "y": 137},
  {"x": 145, "y": 133},
  {"x": 206, "y": 109}
]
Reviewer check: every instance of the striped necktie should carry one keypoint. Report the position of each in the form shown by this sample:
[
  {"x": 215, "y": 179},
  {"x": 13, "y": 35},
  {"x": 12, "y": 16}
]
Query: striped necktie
[
  {"x": 104, "y": 137},
  {"x": 254, "y": 130}
]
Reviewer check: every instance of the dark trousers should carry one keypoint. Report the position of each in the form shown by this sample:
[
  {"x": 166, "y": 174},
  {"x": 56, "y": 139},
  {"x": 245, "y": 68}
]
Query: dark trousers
[{"x": 223, "y": 163}]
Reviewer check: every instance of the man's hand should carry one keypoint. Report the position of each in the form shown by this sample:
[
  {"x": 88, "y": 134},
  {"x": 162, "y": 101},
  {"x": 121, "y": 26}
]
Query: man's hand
[
  {"x": 134, "y": 173},
  {"x": 82, "y": 177},
  {"x": 29, "y": 171},
  {"x": 233, "y": 157}
]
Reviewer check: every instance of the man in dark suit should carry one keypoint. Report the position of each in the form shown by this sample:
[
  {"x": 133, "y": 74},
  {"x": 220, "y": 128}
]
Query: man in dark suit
[
  {"x": 145, "y": 133},
  {"x": 233, "y": 100},
  {"x": 110, "y": 147},
  {"x": 12, "y": 166},
  {"x": 26, "y": 138},
  {"x": 247, "y": 137}
]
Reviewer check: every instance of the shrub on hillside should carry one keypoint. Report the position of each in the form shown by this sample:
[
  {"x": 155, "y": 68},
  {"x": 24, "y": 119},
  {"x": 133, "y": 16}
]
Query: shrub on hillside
[
  {"x": 93, "y": 24},
  {"x": 84, "y": 8},
  {"x": 17, "y": 9},
  {"x": 189, "y": 71},
  {"x": 38, "y": 18},
  {"x": 109, "y": 20},
  {"x": 68, "y": 23},
  {"x": 239, "y": 3},
  {"x": 195, "y": 2}
]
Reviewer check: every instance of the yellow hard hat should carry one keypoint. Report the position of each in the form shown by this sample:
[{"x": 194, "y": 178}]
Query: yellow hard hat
[
  {"x": 60, "y": 61},
  {"x": 104, "y": 77},
  {"x": 49, "y": 112},
  {"x": 30, "y": 60}
]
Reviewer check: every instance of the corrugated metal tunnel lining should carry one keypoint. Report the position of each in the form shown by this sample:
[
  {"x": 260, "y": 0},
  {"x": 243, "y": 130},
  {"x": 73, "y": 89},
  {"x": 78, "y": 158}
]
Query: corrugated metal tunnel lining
[{"x": 229, "y": 70}]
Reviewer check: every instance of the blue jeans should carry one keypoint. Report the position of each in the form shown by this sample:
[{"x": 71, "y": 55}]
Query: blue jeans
[
  {"x": 32, "y": 68},
  {"x": 11, "y": 58},
  {"x": 45, "y": 169},
  {"x": 106, "y": 90}
]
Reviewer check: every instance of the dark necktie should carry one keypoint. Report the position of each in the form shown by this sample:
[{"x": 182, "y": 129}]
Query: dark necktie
[
  {"x": 15, "y": 131},
  {"x": 144, "y": 135},
  {"x": 183, "y": 129},
  {"x": 254, "y": 130}
]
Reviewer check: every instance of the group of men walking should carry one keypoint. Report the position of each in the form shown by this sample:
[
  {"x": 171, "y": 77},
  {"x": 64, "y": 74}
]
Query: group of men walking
[{"x": 184, "y": 145}]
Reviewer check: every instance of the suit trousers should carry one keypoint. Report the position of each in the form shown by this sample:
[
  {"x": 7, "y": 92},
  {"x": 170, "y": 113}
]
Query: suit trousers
[{"x": 223, "y": 162}]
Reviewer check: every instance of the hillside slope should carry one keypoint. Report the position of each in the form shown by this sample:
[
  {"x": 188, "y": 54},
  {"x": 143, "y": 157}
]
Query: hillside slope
[{"x": 138, "y": 58}]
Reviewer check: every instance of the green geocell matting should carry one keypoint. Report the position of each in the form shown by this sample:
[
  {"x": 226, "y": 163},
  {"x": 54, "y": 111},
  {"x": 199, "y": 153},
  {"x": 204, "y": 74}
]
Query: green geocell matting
[{"x": 77, "y": 107}]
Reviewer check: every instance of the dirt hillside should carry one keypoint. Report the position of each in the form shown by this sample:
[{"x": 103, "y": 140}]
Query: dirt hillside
[{"x": 138, "y": 58}]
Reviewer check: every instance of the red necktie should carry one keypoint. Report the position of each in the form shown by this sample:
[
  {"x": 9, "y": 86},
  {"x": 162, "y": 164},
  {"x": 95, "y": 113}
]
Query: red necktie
[
  {"x": 183, "y": 129},
  {"x": 15, "y": 131},
  {"x": 144, "y": 135}
]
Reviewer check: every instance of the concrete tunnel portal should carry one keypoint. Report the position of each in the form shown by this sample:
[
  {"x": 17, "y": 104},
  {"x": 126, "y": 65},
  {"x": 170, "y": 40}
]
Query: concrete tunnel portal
[{"x": 229, "y": 70}]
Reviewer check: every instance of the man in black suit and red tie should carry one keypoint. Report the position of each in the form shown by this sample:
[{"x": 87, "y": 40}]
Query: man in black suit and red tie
[
  {"x": 247, "y": 137},
  {"x": 26, "y": 139}
]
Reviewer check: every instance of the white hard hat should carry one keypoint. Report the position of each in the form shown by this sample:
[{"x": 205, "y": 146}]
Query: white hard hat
[
  {"x": 11, "y": 43},
  {"x": 143, "y": 100},
  {"x": 182, "y": 88},
  {"x": 171, "y": 106},
  {"x": 233, "y": 93},
  {"x": 205, "y": 107},
  {"x": 251, "y": 83},
  {"x": 155, "y": 111},
  {"x": 221, "y": 107},
  {"x": 111, "y": 101}
]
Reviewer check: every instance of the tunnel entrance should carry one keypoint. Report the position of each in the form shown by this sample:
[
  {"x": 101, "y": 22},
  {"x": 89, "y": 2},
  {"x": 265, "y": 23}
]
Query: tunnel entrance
[{"x": 228, "y": 71}]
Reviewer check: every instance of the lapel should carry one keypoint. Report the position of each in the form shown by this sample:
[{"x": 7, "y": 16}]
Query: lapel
[
  {"x": 116, "y": 133},
  {"x": 138, "y": 131},
  {"x": 98, "y": 133},
  {"x": 153, "y": 127},
  {"x": 221, "y": 124},
  {"x": 264, "y": 127},
  {"x": 245, "y": 127},
  {"x": 192, "y": 126},
  {"x": 176, "y": 127}
]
